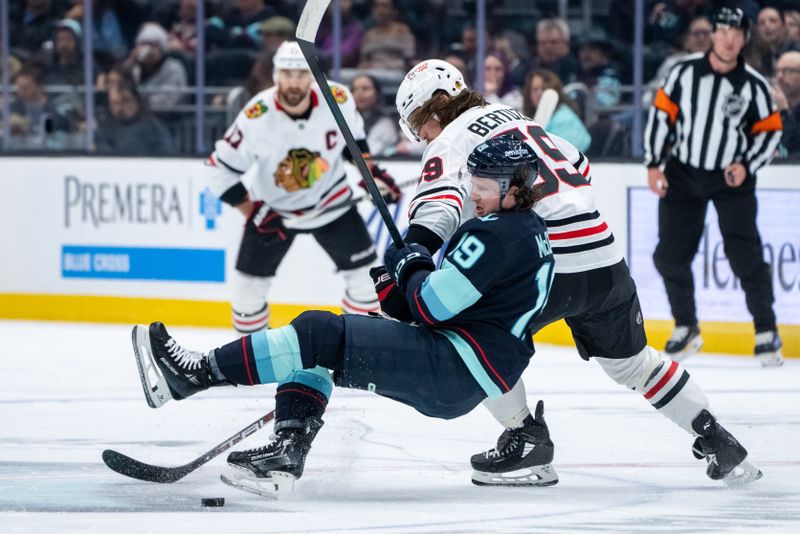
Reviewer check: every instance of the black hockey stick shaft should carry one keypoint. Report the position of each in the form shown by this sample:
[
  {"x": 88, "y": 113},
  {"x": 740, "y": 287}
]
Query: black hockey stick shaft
[
  {"x": 306, "y": 33},
  {"x": 125, "y": 465}
]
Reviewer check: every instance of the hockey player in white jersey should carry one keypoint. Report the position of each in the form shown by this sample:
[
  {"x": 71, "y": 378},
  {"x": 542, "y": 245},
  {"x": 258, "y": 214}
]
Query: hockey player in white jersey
[
  {"x": 592, "y": 288},
  {"x": 290, "y": 137}
]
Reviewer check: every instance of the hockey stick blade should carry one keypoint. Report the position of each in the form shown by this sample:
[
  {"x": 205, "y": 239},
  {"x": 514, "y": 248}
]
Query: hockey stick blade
[
  {"x": 548, "y": 103},
  {"x": 125, "y": 465},
  {"x": 306, "y": 34}
]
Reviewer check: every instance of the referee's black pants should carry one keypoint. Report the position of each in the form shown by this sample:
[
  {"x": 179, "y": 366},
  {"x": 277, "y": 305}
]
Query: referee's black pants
[{"x": 681, "y": 222}]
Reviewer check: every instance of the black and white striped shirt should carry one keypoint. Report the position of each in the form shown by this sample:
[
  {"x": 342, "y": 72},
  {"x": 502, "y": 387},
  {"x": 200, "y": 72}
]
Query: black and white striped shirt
[{"x": 716, "y": 119}]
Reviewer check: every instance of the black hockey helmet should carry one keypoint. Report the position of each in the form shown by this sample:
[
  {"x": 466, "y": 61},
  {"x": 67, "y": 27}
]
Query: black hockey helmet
[
  {"x": 503, "y": 159},
  {"x": 732, "y": 17}
]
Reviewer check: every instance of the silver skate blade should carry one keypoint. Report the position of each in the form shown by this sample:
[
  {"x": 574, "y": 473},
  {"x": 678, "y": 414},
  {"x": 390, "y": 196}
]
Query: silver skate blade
[
  {"x": 154, "y": 384},
  {"x": 691, "y": 349},
  {"x": 271, "y": 487},
  {"x": 770, "y": 359},
  {"x": 742, "y": 474},
  {"x": 539, "y": 475}
]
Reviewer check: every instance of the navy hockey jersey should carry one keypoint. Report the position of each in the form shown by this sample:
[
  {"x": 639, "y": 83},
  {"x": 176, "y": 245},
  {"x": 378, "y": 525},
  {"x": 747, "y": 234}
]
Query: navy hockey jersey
[{"x": 493, "y": 282}]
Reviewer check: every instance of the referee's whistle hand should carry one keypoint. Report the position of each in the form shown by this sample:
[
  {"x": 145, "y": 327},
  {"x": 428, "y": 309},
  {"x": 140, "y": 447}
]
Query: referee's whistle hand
[
  {"x": 657, "y": 181},
  {"x": 735, "y": 174}
]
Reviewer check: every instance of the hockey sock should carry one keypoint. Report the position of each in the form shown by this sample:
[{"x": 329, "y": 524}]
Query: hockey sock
[
  {"x": 265, "y": 357},
  {"x": 304, "y": 394},
  {"x": 665, "y": 384},
  {"x": 510, "y": 409}
]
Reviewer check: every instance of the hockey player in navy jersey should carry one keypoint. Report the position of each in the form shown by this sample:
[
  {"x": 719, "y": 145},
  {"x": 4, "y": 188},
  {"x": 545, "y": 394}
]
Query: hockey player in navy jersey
[
  {"x": 468, "y": 340},
  {"x": 592, "y": 287}
]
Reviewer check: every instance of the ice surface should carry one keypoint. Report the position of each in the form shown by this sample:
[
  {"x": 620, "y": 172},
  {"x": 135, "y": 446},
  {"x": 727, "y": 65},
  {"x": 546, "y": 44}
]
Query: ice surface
[{"x": 71, "y": 390}]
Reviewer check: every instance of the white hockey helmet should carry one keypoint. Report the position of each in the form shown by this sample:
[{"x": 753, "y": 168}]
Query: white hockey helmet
[
  {"x": 288, "y": 56},
  {"x": 419, "y": 86}
]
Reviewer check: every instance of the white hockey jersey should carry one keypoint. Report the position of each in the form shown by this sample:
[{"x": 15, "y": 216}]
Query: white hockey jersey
[
  {"x": 580, "y": 238},
  {"x": 300, "y": 172}
]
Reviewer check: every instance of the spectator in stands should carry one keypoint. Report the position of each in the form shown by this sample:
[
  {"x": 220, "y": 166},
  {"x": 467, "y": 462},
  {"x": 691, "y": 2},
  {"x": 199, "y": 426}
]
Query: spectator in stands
[
  {"x": 389, "y": 45},
  {"x": 14, "y": 64},
  {"x": 786, "y": 93},
  {"x": 181, "y": 24},
  {"x": 668, "y": 20},
  {"x": 552, "y": 49},
  {"x": 770, "y": 40},
  {"x": 596, "y": 70},
  {"x": 497, "y": 86},
  {"x": 792, "y": 20},
  {"x": 35, "y": 123},
  {"x": 34, "y": 26},
  {"x": 259, "y": 79},
  {"x": 565, "y": 122},
  {"x": 130, "y": 128},
  {"x": 514, "y": 48},
  {"x": 243, "y": 22},
  {"x": 274, "y": 31},
  {"x": 381, "y": 127},
  {"x": 108, "y": 40},
  {"x": 697, "y": 39},
  {"x": 162, "y": 77},
  {"x": 352, "y": 35},
  {"x": 66, "y": 64}
]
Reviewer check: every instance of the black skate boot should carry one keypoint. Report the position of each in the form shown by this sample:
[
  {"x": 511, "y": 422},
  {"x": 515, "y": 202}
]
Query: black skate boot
[
  {"x": 685, "y": 342},
  {"x": 522, "y": 457},
  {"x": 725, "y": 456},
  {"x": 273, "y": 469},
  {"x": 167, "y": 370},
  {"x": 768, "y": 349}
]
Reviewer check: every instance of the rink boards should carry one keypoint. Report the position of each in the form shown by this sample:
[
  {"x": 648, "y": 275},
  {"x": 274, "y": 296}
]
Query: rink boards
[{"x": 134, "y": 240}]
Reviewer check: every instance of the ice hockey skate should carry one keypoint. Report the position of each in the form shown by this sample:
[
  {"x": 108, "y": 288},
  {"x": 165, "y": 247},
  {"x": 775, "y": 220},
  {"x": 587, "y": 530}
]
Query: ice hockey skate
[
  {"x": 167, "y": 370},
  {"x": 522, "y": 457},
  {"x": 684, "y": 342},
  {"x": 726, "y": 457},
  {"x": 768, "y": 349},
  {"x": 271, "y": 470}
]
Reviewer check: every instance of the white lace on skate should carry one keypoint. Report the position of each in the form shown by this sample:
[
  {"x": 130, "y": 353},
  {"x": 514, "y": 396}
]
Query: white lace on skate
[
  {"x": 185, "y": 358},
  {"x": 679, "y": 333}
]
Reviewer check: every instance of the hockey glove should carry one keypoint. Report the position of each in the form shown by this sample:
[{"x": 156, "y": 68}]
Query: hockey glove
[
  {"x": 386, "y": 185},
  {"x": 392, "y": 301},
  {"x": 403, "y": 262},
  {"x": 266, "y": 223}
]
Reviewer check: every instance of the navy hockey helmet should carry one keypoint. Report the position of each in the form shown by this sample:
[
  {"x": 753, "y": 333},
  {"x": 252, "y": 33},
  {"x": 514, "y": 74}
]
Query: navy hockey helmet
[
  {"x": 504, "y": 159},
  {"x": 733, "y": 17}
]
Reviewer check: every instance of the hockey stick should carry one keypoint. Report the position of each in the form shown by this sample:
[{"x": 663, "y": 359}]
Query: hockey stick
[
  {"x": 547, "y": 106},
  {"x": 307, "y": 27},
  {"x": 125, "y": 465}
]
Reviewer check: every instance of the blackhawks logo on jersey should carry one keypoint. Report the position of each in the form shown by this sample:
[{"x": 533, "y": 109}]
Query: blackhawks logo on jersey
[
  {"x": 338, "y": 94},
  {"x": 300, "y": 169},
  {"x": 256, "y": 110}
]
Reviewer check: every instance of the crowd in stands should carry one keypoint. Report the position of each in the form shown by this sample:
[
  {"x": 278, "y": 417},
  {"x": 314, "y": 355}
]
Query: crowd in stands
[{"x": 144, "y": 63}]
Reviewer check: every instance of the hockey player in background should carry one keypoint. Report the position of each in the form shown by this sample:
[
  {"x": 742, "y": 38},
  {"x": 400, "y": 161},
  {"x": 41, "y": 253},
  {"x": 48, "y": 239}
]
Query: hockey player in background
[
  {"x": 290, "y": 137},
  {"x": 470, "y": 341},
  {"x": 592, "y": 287}
]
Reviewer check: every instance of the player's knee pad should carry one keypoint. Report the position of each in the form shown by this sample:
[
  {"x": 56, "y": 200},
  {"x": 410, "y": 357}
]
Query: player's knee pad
[
  {"x": 635, "y": 371},
  {"x": 321, "y": 338},
  {"x": 250, "y": 311},
  {"x": 359, "y": 294},
  {"x": 511, "y": 408}
]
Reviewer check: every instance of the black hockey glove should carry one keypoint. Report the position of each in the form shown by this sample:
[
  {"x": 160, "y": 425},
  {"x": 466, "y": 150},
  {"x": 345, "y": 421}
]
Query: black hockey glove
[
  {"x": 386, "y": 185},
  {"x": 392, "y": 301},
  {"x": 266, "y": 223},
  {"x": 403, "y": 262}
]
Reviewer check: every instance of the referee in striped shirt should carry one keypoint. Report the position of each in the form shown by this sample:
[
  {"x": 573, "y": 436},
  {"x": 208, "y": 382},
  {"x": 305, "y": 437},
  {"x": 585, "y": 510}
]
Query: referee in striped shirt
[{"x": 713, "y": 125}]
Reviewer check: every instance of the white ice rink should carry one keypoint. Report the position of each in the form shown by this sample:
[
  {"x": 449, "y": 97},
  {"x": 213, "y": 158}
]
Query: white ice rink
[{"x": 71, "y": 390}]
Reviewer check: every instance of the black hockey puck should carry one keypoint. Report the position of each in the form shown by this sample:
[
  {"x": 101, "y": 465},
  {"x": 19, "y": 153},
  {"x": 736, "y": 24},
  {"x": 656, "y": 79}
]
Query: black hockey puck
[{"x": 213, "y": 501}]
